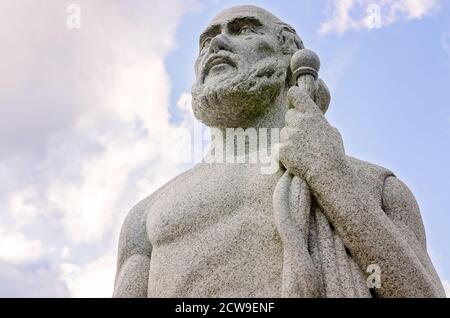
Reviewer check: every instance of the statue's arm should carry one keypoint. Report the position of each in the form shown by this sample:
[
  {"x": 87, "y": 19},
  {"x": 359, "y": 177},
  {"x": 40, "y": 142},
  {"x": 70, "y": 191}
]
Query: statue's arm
[
  {"x": 401, "y": 207},
  {"x": 391, "y": 236},
  {"x": 134, "y": 253},
  {"x": 313, "y": 150}
]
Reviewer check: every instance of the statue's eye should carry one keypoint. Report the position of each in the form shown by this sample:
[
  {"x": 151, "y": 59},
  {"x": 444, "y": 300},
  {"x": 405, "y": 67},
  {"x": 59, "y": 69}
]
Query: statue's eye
[{"x": 245, "y": 30}]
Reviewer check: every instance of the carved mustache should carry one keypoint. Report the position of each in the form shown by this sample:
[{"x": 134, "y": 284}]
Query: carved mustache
[{"x": 216, "y": 59}]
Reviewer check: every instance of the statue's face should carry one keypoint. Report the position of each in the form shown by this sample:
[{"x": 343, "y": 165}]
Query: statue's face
[{"x": 240, "y": 68}]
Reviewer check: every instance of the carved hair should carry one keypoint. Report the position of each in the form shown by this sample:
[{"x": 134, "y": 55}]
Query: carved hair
[
  {"x": 290, "y": 42},
  {"x": 289, "y": 36}
]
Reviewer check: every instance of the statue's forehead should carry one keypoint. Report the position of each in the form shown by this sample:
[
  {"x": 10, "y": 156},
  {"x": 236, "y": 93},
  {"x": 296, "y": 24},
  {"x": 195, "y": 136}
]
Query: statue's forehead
[{"x": 244, "y": 11}]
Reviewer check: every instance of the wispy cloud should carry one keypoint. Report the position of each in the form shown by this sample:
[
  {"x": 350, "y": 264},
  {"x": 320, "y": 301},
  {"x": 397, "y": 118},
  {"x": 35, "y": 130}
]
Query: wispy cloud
[
  {"x": 344, "y": 15},
  {"x": 81, "y": 279},
  {"x": 338, "y": 65},
  {"x": 16, "y": 249}
]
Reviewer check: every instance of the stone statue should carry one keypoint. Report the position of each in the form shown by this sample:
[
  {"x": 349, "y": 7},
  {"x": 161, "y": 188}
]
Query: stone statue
[{"x": 323, "y": 225}]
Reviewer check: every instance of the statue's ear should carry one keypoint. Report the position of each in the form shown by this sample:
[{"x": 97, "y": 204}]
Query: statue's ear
[
  {"x": 290, "y": 43},
  {"x": 289, "y": 40}
]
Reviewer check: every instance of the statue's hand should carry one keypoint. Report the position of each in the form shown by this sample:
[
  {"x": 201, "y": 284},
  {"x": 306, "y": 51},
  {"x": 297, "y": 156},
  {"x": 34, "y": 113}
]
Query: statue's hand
[{"x": 308, "y": 143}]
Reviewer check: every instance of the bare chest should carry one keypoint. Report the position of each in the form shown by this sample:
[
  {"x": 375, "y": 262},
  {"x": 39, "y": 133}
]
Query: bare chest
[{"x": 209, "y": 197}]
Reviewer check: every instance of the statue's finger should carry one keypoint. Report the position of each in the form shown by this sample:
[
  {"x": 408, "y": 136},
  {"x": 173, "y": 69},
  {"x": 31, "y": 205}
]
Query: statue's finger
[
  {"x": 292, "y": 117},
  {"x": 301, "y": 101},
  {"x": 323, "y": 96}
]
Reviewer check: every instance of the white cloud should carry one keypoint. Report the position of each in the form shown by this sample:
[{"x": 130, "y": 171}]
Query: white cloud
[
  {"x": 21, "y": 205},
  {"x": 17, "y": 250},
  {"x": 340, "y": 19},
  {"x": 95, "y": 279},
  {"x": 411, "y": 9},
  {"x": 65, "y": 252},
  {"x": 86, "y": 132},
  {"x": 184, "y": 102},
  {"x": 345, "y": 15}
]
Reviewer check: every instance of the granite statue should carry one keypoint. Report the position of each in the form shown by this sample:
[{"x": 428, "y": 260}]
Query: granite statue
[{"x": 323, "y": 225}]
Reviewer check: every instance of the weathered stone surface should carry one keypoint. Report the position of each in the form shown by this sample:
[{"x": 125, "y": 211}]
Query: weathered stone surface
[{"x": 312, "y": 229}]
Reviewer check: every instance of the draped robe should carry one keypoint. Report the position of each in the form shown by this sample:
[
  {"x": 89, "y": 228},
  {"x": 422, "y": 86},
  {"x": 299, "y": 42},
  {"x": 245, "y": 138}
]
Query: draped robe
[{"x": 316, "y": 263}]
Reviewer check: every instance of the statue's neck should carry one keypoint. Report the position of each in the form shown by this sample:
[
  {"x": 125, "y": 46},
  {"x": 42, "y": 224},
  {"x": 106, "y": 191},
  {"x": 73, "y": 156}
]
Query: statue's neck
[
  {"x": 264, "y": 126},
  {"x": 273, "y": 117}
]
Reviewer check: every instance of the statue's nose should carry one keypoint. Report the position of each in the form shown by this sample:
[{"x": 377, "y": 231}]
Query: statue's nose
[{"x": 220, "y": 42}]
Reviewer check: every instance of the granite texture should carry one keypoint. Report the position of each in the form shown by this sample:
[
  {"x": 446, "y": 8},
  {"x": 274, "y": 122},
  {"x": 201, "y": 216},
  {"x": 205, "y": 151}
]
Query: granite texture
[{"x": 309, "y": 230}]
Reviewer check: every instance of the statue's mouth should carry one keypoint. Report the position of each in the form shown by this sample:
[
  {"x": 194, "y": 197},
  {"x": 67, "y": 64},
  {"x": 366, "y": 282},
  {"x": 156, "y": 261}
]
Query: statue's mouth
[{"x": 216, "y": 60}]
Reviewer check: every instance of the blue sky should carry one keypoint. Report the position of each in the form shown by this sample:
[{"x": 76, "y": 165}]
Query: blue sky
[{"x": 94, "y": 119}]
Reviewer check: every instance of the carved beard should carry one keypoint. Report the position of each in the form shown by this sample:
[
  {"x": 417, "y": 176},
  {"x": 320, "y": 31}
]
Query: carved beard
[{"x": 234, "y": 101}]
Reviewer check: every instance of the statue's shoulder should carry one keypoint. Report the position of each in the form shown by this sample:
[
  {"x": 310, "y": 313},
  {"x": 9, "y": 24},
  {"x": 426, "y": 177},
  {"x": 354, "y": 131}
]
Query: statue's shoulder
[
  {"x": 371, "y": 175},
  {"x": 368, "y": 168},
  {"x": 178, "y": 182}
]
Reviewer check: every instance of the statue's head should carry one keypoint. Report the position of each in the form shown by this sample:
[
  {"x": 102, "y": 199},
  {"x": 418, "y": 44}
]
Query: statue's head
[{"x": 242, "y": 67}]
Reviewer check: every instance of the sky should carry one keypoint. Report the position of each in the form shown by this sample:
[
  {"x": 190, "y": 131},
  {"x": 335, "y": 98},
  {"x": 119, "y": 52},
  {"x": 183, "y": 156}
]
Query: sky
[{"x": 94, "y": 118}]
